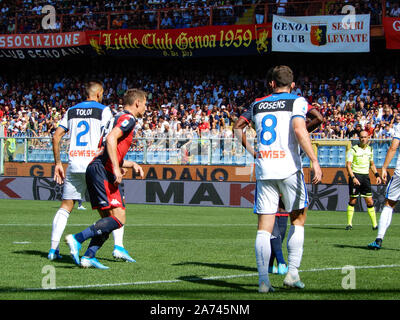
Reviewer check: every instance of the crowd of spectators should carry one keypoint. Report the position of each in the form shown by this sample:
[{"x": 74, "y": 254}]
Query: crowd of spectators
[
  {"x": 202, "y": 98},
  {"x": 151, "y": 14}
]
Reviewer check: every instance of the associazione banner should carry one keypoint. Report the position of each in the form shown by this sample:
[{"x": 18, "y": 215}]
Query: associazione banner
[
  {"x": 392, "y": 32},
  {"x": 321, "y": 33},
  {"x": 50, "y": 45}
]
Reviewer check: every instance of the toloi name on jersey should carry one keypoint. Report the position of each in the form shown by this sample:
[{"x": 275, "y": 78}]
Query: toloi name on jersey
[
  {"x": 95, "y": 113},
  {"x": 271, "y": 154}
]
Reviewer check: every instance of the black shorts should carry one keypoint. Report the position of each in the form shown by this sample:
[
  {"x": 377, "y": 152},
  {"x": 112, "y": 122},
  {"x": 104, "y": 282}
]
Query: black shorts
[
  {"x": 102, "y": 191},
  {"x": 364, "y": 189}
]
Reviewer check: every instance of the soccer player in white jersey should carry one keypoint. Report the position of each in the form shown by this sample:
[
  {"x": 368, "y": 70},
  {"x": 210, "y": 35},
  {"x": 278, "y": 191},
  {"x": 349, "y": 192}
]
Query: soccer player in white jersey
[
  {"x": 280, "y": 124},
  {"x": 392, "y": 195},
  {"x": 86, "y": 123}
]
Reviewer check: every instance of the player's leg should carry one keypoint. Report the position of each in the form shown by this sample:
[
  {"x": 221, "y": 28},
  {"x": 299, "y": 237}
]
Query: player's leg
[
  {"x": 80, "y": 205},
  {"x": 354, "y": 193},
  {"x": 89, "y": 258},
  {"x": 384, "y": 223},
  {"x": 366, "y": 193},
  {"x": 266, "y": 205},
  {"x": 74, "y": 185},
  {"x": 276, "y": 247},
  {"x": 371, "y": 212},
  {"x": 58, "y": 226},
  {"x": 276, "y": 250},
  {"x": 98, "y": 233},
  {"x": 392, "y": 196},
  {"x": 295, "y": 199}
]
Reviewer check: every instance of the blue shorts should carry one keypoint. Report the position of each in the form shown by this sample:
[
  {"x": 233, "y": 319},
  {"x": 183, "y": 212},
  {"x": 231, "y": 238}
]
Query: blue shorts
[{"x": 102, "y": 191}]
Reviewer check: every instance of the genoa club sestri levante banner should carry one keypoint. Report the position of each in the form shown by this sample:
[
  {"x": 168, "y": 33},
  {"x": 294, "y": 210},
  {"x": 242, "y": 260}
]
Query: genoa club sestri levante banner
[{"x": 321, "y": 33}]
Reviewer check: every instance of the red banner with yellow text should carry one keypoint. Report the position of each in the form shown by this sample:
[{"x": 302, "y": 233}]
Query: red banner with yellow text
[{"x": 191, "y": 42}]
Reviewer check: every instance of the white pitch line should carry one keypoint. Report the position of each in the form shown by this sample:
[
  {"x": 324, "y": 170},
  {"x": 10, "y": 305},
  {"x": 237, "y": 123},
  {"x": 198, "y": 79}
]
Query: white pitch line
[{"x": 197, "y": 279}]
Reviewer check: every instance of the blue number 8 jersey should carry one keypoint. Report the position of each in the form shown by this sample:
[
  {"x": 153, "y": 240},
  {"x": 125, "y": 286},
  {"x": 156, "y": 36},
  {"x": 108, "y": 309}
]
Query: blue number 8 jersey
[{"x": 278, "y": 155}]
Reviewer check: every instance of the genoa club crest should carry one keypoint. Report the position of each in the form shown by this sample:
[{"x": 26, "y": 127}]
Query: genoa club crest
[{"x": 318, "y": 35}]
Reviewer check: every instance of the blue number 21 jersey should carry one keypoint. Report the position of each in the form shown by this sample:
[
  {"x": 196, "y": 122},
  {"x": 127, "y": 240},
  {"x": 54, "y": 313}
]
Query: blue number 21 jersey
[
  {"x": 86, "y": 123},
  {"x": 278, "y": 155}
]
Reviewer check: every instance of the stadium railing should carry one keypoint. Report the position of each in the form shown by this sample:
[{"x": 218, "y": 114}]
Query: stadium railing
[
  {"x": 188, "y": 151},
  {"x": 190, "y": 17}
]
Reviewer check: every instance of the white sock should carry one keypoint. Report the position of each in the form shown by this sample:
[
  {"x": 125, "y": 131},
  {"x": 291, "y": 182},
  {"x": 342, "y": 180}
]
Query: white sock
[
  {"x": 295, "y": 243},
  {"x": 263, "y": 254},
  {"x": 59, "y": 224},
  {"x": 384, "y": 221},
  {"x": 118, "y": 235}
]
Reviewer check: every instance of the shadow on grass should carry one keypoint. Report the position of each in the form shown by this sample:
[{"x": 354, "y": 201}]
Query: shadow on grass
[
  {"x": 217, "y": 266},
  {"x": 343, "y": 246},
  {"x": 217, "y": 283},
  {"x": 329, "y": 228}
]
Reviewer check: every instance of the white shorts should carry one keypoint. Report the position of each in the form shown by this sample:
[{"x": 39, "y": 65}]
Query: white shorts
[
  {"x": 293, "y": 190},
  {"x": 74, "y": 186},
  {"x": 393, "y": 189}
]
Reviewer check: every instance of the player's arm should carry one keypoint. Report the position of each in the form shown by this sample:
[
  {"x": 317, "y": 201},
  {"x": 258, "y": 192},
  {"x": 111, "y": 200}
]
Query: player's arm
[
  {"x": 375, "y": 172},
  {"x": 349, "y": 162},
  {"x": 111, "y": 146},
  {"x": 238, "y": 132},
  {"x": 389, "y": 157},
  {"x": 136, "y": 168},
  {"x": 303, "y": 137},
  {"x": 59, "y": 174},
  {"x": 316, "y": 119},
  {"x": 351, "y": 173}
]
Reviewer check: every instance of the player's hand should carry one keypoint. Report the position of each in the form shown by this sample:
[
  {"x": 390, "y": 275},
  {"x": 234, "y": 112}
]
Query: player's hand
[
  {"x": 124, "y": 171},
  {"x": 118, "y": 176},
  {"x": 138, "y": 170},
  {"x": 356, "y": 182},
  {"x": 317, "y": 173},
  {"x": 384, "y": 175},
  {"x": 378, "y": 180},
  {"x": 59, "y": 174}
]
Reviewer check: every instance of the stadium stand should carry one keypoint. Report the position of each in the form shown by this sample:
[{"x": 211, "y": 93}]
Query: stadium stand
[{"x": 24, "y": 16}]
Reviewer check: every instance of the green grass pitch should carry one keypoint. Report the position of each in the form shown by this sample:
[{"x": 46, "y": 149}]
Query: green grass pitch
[{"x": 192, "y": 253}]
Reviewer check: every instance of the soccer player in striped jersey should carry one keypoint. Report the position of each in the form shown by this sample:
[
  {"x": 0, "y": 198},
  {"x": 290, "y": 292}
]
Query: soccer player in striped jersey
[
  {"x": 103, "y": 176},
  {"x": 85, "y": 122},
  {"x": 281, "y": 130}
]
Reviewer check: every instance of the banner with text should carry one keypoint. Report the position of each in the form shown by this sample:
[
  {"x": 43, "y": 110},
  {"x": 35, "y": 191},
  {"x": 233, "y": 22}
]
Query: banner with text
[
  {"x": 322, "y": 197},
  {"x": 47, "y": 46},
  {"x": 191, "y": 42},
  {"x": 391, "y": 28},
  {"x": 321, "y": 33}
]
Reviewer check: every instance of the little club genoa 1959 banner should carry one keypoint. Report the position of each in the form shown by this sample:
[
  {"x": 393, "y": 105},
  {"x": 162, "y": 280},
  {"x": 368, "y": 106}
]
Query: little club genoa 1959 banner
[{"x": 321, "y": 33}]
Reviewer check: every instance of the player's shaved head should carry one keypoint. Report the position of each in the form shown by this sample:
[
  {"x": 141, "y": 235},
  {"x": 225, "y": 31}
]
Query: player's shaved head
[{"x": 94, "y": 89}]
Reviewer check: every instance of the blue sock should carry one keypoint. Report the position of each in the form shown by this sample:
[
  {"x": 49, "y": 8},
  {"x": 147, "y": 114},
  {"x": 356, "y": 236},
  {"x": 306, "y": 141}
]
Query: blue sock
[
  {"x": 101, "y": 227},
  {"x": 276, "y": 248},
  {"x": 95, "y": 244}
]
